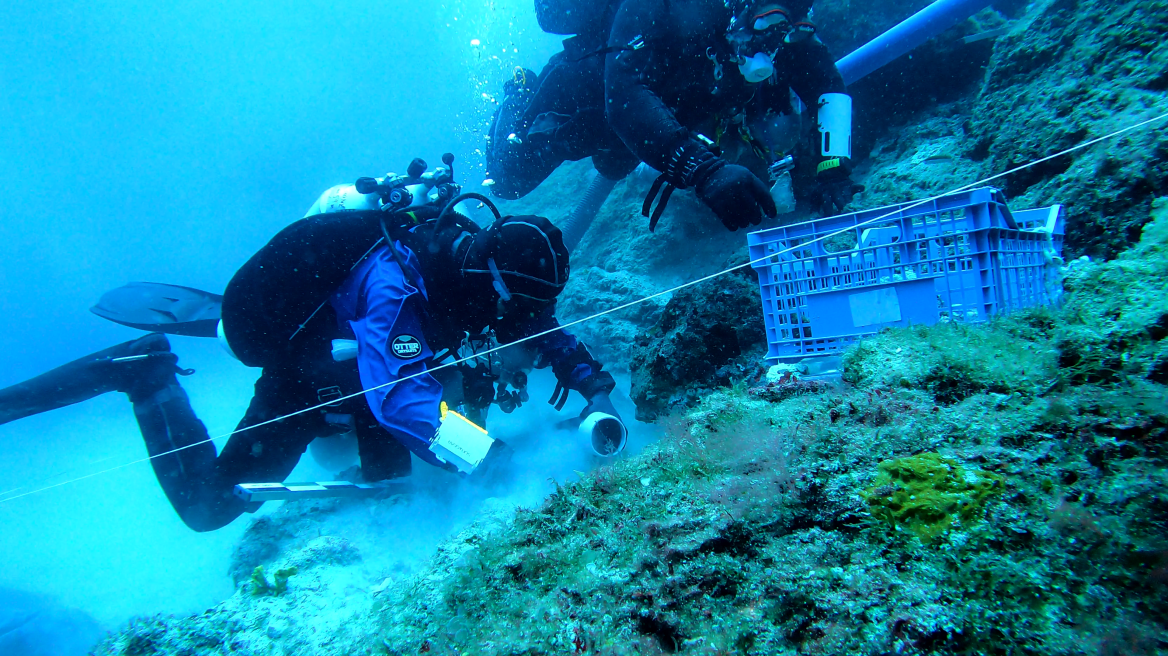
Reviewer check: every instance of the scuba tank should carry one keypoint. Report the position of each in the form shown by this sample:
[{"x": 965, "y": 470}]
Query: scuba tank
[
  {"x": 276, "y": 294},
  {"x": 391, "y": 193}
]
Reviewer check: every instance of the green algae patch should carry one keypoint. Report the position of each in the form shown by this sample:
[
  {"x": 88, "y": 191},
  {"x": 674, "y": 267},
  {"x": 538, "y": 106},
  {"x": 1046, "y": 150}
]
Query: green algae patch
[
  {"x": 927, "y": 493},
  {"x": 260, "y": 586}
]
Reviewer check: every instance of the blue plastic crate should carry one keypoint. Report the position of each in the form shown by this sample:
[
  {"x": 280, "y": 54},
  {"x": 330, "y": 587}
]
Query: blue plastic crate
[{"x": 963, "y": 257}]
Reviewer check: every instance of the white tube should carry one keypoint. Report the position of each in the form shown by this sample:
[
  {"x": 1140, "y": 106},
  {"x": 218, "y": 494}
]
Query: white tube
[
  {"x": 835, "y": 125},
  {"x": 344, "y": 349},
  {"x": 604, "y": 434}
]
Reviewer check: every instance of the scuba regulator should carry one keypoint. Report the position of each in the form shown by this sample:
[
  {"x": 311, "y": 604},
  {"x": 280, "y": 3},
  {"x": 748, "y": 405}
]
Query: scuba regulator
[
  {"x": 423, "y": 196},
  {"x": 416, "y": 188}
]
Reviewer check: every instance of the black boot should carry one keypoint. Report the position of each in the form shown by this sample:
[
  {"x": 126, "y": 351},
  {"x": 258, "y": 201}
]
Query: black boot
[
  {"x": 139, "y": 368},
  {"x": 184, "y": 458}
]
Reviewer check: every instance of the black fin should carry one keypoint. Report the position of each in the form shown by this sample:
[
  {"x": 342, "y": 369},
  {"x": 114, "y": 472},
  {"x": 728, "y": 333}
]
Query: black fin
[{"x": 158, "y": 307}]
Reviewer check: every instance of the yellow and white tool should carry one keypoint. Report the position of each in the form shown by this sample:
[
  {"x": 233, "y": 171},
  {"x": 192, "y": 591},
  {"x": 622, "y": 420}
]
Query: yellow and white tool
[{"x": 460, "y": 442}]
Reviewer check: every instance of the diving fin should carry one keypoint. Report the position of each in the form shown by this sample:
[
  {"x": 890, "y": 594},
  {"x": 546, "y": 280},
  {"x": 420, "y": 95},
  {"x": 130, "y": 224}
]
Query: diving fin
[{"x": 157, "y": 307}]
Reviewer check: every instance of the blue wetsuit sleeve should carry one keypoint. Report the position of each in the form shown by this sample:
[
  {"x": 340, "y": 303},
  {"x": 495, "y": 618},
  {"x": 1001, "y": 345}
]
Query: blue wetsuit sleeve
[
  {"x": 568, "y": 358},
  {"x": 385, "y": 312}
]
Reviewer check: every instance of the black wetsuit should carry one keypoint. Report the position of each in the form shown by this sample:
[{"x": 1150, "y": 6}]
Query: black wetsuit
[
  {"x": 555, "y": 118},
  {"x": 659, "y": 89},
  {"x": 661, "y": 94},
  {"x": 276, "y": 316},
  {"x": 265, "y": 303}
]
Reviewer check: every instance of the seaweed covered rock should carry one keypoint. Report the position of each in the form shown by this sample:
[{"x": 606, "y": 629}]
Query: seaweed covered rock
[
  {"x": 1022, "y": 517},
  {"x": 927, "y": 493},
  {"x": 1119, "y": 311},
  {"x": 955, "y": 361},
  {"x": 292, "y": 527},
  {"x": 312, "y": 600},
  {"x": 1068, "y": 71},
  {"x": 708, "y": 336},
  {"x": 757, "y": 528}
]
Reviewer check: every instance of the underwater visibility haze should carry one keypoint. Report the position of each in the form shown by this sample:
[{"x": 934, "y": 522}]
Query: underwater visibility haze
[
  {"x": 173, "y": 142},
  {"x": 850, "y": 364}
]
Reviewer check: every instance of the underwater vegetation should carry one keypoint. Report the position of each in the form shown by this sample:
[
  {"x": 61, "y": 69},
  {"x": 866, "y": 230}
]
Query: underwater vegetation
[
  {"x": 996, "y": 488},
  {"x": 767, "y": 523},
  {"x": 928, "y": 493},
  {"x": 937, "y": 504},
  {"x": 260, "y": 585}
]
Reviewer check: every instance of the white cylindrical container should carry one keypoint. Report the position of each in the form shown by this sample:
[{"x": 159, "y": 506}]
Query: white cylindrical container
[
  {"x": 604, "y": 435},
  {"x": 835, "y": 124}
]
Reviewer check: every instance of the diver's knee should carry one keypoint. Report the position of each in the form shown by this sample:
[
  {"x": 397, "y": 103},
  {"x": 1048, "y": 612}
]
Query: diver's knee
[{"x": 202, "y": 519}]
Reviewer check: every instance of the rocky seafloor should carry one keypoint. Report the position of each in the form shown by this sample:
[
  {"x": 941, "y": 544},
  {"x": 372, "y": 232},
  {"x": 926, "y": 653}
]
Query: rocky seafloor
[{"x": 994, "y": 488}]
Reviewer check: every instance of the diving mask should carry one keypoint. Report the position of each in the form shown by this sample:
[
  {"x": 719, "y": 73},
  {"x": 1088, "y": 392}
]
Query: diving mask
[
  {"x": 779, "y": 20},
  {"x": 767, "y": 30},
  {"x": 756, "y": 37}
]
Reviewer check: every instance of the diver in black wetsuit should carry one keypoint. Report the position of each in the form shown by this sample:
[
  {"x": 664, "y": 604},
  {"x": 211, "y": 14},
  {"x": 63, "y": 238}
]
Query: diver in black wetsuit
[
  {"x": 403, "y": 309},
  {"x": 676, "y": 72}
]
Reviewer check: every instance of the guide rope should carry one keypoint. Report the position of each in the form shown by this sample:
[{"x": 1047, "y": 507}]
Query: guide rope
[{"x": 612, "y": 310}]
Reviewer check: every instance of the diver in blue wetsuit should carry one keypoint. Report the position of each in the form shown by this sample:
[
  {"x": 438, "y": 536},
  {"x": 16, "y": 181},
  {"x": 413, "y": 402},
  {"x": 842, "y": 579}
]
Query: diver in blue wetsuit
[{"x": 405, "y": 281}]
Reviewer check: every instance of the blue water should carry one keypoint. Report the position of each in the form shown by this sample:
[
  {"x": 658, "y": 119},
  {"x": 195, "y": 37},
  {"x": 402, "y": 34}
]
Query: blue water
[{"x": 167, "y": 142}]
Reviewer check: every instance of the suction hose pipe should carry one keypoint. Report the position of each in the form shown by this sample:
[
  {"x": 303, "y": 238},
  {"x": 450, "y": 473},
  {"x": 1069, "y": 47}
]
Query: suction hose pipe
[
  {"x": 581, "y": 216},
  {"x": 604, "y": 435},
  {"x": 906, "y": 36}
]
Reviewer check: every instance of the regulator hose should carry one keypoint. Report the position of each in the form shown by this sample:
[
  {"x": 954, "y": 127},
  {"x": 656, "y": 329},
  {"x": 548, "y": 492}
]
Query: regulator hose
[{"x": 446, "y": 217}]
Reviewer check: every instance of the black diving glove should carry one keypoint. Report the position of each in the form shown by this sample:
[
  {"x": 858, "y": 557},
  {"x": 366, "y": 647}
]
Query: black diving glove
[
  {"x": 834, "y": 187},
  {"x": 496, "y": 466},
  {"x": 737, "y": 196},
  {"x": 602, "y": 404}
]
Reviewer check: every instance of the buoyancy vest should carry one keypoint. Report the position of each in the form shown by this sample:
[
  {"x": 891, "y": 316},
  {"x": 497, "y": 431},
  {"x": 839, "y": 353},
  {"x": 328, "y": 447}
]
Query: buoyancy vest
[
  {"x": 271, "y": 297},
  {"x": 278, "y": 300}
]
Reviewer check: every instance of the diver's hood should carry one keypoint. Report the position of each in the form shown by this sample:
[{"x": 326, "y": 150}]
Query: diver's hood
[
  {"x": 758, "y": 68},
  {"x": 524, "y": 257}
]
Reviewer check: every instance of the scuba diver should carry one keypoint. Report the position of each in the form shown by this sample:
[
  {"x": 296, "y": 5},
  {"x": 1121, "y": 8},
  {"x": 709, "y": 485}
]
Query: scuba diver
[
  {"x": 380, "y": 281},
  {"x": 700, "y": 90}
]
